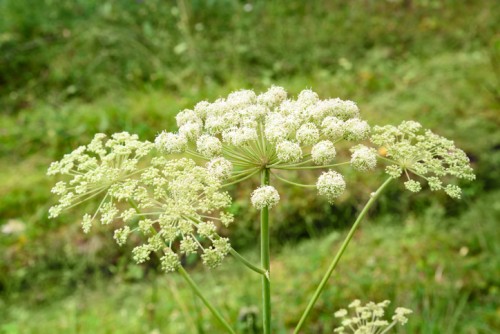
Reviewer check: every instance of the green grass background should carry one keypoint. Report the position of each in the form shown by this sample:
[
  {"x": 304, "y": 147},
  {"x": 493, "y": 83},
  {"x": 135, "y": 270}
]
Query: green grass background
[{"x": 69, "y": 69}]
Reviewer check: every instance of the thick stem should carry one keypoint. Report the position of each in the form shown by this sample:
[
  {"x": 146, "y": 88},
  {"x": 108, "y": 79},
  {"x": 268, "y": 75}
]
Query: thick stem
[
  {"x": 265, "y": 259},
  {"x": 339, "y": 254},
  {"x": 197, "y": 291}
]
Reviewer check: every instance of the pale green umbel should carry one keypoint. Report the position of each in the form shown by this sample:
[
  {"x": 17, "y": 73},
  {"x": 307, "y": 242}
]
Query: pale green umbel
[
  {"x": 168, "y": 201},
  {"x": 413, "y": 151}
]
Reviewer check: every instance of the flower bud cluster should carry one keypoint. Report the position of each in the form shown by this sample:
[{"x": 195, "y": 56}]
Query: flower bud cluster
[
  {"x": 424, "y": 154},
  {"x": 369, "y": 318}
]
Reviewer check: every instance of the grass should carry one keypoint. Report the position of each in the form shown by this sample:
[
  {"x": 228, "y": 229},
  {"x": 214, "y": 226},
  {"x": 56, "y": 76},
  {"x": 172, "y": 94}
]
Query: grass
[{"x": 445, "y": 269}]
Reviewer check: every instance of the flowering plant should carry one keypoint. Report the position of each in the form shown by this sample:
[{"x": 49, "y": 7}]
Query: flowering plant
[{"x": 172, "y": 191}]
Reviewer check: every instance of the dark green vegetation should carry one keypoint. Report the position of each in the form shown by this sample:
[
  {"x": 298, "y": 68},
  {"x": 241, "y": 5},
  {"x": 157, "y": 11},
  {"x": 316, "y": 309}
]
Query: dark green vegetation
[{"x": 69, "y": 69}]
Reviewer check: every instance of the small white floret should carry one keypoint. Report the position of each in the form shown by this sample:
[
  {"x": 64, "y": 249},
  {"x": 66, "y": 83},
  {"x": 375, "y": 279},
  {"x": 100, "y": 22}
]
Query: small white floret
[{"x": 265, "y": 196}]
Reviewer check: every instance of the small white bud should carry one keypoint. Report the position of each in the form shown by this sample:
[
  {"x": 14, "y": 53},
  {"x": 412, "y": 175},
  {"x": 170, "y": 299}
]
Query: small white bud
[
  {"x": 170, "y": 261},
  {"x": 121, "y": 235}
]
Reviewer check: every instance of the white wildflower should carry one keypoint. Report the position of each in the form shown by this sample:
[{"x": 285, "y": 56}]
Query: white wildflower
[
  {"x": 307, "y": 97},
  {"x": 331, "y": 185},
  {"x": 190, "y": 130},
  {"x": 333, "y": 128},
  {"x": 363, "y": 158},
  {"x": 274, "y": 96},
  {"x": 345, "y": 110},
  {"x": 323, "y": 152},
  {"x": 356, "y": 129},
  {"x": 220, "y": 168},
  {"x": 307, "y": 134},
  {"x": 209, "y": 146},
  {"x": 288, "y": 151},
  {"x": 171, "y": 142},
  {"x": 265, "y": 196},
  {"x": 187, "y": 116}
]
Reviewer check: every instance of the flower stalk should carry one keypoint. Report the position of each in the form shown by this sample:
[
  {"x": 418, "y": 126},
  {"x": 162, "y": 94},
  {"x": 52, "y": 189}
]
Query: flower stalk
[
  {"x": 339, "y": 254},
  {"x": 200, "y": 295},
  {"x": 265, "y": 259},
  {"x": 247, "y": 263}
]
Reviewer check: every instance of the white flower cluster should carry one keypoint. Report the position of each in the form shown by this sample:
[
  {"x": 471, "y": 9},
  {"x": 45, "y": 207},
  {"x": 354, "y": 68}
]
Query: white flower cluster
[
  {"x": 424, "y": 154},
  {"x": 103, "y": 166},
  {"x": 270, "y": 130},
  {"x": 369, "y": 318},
  {"x": 331, "y": 185},
  {"x": 363, "y": 158},
  {"x": 172, "y": 202},
  {"x": 265, "y": 196},
  {"x": 177, "y": 201}
]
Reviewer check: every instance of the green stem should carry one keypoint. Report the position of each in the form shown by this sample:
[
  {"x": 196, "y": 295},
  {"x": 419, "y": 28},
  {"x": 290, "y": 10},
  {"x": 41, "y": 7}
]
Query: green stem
[
  {"x": 389, "y": 328},
  {"x": 241, "y": 179},
  {"x": 265, "y": 259},
  {"x": 294, "y": 183},
  {"x": 247, "y": 263},
  {"x": 293, "y": 167},
  {"x": 197, "y": 291},
  {"x": 339, "y": 254}
]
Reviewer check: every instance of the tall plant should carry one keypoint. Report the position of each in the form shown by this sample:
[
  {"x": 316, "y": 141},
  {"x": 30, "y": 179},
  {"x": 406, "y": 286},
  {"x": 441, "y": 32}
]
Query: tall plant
[{"x": 172, "y": 191}]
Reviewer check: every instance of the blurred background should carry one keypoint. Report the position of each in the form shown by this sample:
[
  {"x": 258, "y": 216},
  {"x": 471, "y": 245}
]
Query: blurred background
[{"x": 71, "y": 68}]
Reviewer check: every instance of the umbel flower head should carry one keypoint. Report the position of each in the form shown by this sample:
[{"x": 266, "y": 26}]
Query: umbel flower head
[
  {"x": 103, "y": 166},
  {"x": 177, "y": 201},
  {"x": 413, "y": 151},
  {"x": 265, "y": 196},
  {"x": 173, "y": 203},
  {"x": 369, "y": 318},
  {"x": 267, "y": 131}
]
